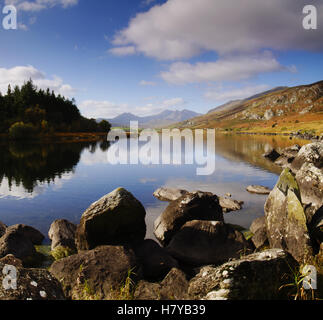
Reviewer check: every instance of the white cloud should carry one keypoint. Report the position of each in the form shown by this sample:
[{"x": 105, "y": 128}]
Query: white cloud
[
  {"x": 181, "y": 29},
  {"x": 20, "y": 74},
  {"x": 235, "y": 94},
  {"x": 107, "y": 109},
  {"x": 123, "y": 51},
  {"x": 224, "y": 69},
  {"x": 38, "y": 5},
  {"x": 147, "y": 83}
]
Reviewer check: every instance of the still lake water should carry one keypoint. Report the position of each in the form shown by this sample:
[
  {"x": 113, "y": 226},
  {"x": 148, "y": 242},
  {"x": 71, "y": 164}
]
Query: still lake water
[{"x": 40, "y": 183}]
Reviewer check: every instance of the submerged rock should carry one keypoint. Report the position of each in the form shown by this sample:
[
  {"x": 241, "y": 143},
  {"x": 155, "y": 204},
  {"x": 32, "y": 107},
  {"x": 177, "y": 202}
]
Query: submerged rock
[
  {"x": 254, "y": 277},
  {"x": 169, "y": 194},
  {"x": 116, "y": 219},
  {"x": 31, "y": 284},
  {"x": 285, "y": 218},
  {"x": 258, "y": 189},
  {"x": 95, "y": 274},
  {"x": 193, "y": 206},
  {"x": 229, "y": 205},
  {"x": 200, "y": 243}
]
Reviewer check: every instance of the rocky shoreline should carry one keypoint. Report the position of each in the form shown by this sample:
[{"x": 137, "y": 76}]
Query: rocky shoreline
[
  {"x": 197, "y": 256},
  {"x": 299, "y": 135}
]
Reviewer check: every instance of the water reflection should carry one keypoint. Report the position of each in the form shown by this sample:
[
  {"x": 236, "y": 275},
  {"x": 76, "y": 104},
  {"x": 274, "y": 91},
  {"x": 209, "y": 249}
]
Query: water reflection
[
  {"x": 27, "y": 168},
  {"x": 40, "y": 183}
]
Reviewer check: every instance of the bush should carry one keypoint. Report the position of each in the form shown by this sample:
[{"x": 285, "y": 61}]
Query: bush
[{"x": 22, "y": 131}]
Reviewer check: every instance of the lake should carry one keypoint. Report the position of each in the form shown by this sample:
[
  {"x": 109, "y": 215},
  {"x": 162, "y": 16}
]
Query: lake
[{"x": 40, "y": 183}]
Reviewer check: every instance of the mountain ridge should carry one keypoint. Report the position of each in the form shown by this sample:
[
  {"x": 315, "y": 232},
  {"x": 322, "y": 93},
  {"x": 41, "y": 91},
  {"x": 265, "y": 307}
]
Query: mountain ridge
[
  {"x": 164, "y": 118},
  {"x": 282, "y": 109}
]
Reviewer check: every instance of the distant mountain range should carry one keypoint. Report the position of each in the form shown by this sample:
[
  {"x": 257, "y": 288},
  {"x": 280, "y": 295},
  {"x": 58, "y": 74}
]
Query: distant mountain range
[{"x": 160, "y": 120}]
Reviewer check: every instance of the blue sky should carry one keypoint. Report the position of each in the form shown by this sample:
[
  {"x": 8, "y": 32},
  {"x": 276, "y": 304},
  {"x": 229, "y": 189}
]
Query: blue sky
[{"x": 144, "y": 56}]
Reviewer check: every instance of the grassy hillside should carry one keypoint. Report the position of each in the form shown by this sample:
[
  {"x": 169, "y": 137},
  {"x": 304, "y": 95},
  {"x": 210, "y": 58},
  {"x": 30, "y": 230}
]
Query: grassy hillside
[{"x": 284, "y": 111}]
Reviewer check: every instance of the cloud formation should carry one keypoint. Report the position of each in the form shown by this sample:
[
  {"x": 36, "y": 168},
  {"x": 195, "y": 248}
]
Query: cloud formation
[
  {"x": 224, "y": 69},
  {"x": 235, "y": 94},
  {"x": 20, "y": 74},
  {"x": 38, "y": 5},
  {"x": 181, "y": 29}
]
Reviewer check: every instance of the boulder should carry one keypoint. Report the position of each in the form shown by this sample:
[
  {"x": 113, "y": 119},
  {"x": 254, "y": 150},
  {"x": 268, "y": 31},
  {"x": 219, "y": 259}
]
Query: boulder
[
  {"x": 169, "y": 194},
  {"x": 193, "y": 206},
  {"x": 11, "y": 260},
  {"x": 259, "y": 231},
  {"x": 173, "y": 287},
  {"x": 116, "y": 219},
  {"x": 96, "y": 274},
  {"x": 147, "y": 291},
  {"x": 288, "y": 155},
  {"x": 62, "y": 234},
  {"x": 35, "y": 236},
  {"x": 16, "y": 243},
  {"x": 200, "y": 243},
  {"x": 272, "y": 155},
  {"x": 254, "y": 277},
  {"x": 3, "y": 229},
  {"x": 310, "y": 153},
  {"x": 316, "y": 227},
  {"x": 229, "y": 205},
  {"x": 258, "y": 189},
  {"x": 155, "y": 261},
  {"x": 31, "y": 284},
  {"x": 310, "y": 181},
  {"x": 285, "y": 218}
]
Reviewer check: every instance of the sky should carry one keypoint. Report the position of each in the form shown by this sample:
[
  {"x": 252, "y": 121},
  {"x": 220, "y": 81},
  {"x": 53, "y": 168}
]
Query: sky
[{"x": 146, "y": 56}]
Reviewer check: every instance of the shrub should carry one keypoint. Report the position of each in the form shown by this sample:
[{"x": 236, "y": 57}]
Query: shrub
[{"x": 22, "y": 131}]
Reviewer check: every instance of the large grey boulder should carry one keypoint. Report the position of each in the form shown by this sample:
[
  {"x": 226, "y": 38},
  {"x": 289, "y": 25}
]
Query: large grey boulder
[
  {"x": 259, "y": 231},
  {"x": 193, "y": 206},
  {"x": 200, "y": 243},
  {"x": 286, "y": 220},
  {"x": 62, "y": 234},
  {"x": 155, "y": 261},
  {"x": 254, "y": 277},
  {"x": 116, "y": 219},
  {"x": 310, "y": 153},
  {"x": 96, "y": 274},
  {"x": 169, "y": 194},
  {"x": 31, "y": 284},
  {"x": 310, "y": 181}
]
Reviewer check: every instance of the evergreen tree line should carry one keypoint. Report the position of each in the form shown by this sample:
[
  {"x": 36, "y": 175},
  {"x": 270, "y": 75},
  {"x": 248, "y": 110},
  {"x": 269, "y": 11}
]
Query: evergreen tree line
[{"x": 27, "y": 110}]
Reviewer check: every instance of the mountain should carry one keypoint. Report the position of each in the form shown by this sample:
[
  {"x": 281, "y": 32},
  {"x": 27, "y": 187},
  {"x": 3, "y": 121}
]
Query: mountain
[
  {"x": 281, "y": 109},
  {"x": 231, "y": 104},
  {"x": 160, "y": 120}
]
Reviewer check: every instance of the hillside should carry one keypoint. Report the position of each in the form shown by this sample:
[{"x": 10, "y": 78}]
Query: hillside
[
  {"x": 162, "y": 119},
  {"x": 283, "y": 110}
]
